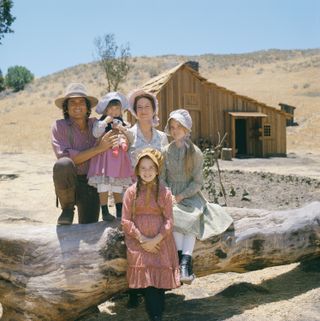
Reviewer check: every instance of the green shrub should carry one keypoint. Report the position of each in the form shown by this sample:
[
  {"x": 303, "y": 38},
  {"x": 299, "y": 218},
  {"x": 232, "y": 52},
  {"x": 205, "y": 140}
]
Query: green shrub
[
  {"x": 209, "y": 175},
  {"x": 204, "y": 143},
  {"x": 17, "y": 77}
]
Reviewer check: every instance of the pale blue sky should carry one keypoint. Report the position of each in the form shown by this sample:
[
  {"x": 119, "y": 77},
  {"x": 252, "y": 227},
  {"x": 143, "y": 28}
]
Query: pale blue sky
[{"x": 56, "y": 34}]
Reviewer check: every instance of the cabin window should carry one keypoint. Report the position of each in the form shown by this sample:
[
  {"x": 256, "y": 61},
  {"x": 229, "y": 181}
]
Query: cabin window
[{"x": 267, "y": 130}]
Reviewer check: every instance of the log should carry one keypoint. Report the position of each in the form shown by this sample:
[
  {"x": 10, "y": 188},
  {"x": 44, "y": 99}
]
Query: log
[{"x": 58, "y": 272}]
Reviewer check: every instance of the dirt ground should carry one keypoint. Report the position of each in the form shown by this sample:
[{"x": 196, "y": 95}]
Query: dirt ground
[
  {"x": 269, "y": 183},
  {"x": 290, "y": 292}
]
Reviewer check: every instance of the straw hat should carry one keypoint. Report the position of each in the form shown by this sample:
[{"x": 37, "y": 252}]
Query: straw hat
[
  {"x": 154, "y": 155},
  {"x": 75, "y": 90}
]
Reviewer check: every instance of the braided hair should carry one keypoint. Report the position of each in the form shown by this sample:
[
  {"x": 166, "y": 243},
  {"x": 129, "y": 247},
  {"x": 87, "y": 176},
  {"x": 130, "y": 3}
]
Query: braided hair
[{"x": 139, "y": 187}]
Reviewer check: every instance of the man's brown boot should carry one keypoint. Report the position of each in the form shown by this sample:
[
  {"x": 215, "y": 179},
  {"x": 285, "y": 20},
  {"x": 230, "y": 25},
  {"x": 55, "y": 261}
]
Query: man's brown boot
[
  {"x": 67, "y": 201},
  {"x": 66, "y": 216}
]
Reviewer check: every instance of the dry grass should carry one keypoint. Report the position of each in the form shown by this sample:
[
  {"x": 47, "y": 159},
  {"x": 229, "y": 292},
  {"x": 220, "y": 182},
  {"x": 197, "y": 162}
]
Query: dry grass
[{"x": 269, "y": 76}]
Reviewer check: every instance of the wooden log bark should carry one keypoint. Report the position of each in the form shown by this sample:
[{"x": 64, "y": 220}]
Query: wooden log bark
[{"x": 58, "y": 272}]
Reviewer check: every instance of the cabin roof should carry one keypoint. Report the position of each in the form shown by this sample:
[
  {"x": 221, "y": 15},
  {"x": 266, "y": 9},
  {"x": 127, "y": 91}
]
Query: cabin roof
[{"x": 155, "y": 84}]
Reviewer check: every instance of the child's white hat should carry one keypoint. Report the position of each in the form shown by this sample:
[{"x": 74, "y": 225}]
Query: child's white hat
[
  {"x": 113, "y": 95},
  {"x": 182, "y": 116}
]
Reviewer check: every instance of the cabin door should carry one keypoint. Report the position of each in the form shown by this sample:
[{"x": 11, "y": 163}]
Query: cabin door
[{"x": 241, "y": 137}]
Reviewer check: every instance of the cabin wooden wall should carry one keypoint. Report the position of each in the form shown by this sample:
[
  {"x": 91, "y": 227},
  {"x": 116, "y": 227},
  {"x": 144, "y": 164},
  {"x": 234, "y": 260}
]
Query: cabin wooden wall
[{"x": 276, "y": 144}]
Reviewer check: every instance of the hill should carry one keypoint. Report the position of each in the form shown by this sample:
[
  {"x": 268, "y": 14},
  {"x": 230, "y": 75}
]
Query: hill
[{"x": 272, "y": 76}]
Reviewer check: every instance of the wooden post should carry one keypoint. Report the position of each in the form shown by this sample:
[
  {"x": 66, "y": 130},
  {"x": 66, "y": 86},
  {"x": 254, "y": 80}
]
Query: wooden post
[{"x": 226, "y": 154}]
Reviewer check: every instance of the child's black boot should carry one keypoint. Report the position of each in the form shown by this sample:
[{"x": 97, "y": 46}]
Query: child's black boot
[
  {"x": 119, "y": 210},
  {"x": 186, "y": 274},
  {"x": 106, "y": 216},
  {"x": 180, "y": 256}
]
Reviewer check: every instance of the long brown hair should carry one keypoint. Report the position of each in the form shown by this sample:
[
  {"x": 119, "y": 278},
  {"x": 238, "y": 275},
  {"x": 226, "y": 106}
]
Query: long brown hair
[
  {"x": 65, "y": 108},
  {"x": 188, "y": 158}
]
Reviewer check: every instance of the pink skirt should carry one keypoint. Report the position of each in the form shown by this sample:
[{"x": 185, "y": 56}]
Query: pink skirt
[{"x": 108, "y": 165}]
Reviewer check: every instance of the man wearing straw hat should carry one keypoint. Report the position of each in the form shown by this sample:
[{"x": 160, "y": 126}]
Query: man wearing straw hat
[{"x": 74, "y": 145}]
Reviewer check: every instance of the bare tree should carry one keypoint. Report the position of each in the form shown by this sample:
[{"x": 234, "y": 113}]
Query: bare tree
[
  {"x": 113, "y": 59},
  {"x": 211, "y": 157}
]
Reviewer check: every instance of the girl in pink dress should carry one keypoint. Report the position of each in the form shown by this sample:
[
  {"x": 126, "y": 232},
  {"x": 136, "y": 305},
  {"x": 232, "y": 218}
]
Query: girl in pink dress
[
  {"x": 111, "y": 171},
  {"x": 147, "y": 223}
]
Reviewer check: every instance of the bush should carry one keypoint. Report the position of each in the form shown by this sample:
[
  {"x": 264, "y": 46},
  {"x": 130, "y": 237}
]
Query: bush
[
  {"x": 17, "y": 77},
  {"x": 2, "y": 86},
  {"x": 204, "y": 143},
  {"x": 209, "y": 175},
  {"x": 306, "y": 85}
]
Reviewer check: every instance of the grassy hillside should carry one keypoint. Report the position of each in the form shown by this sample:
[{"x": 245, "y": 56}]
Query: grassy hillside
[{"x": 271, "y": 76}]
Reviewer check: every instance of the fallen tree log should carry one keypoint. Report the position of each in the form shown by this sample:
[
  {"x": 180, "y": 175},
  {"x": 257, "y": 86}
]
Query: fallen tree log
[{"x": 58, "y": 272}]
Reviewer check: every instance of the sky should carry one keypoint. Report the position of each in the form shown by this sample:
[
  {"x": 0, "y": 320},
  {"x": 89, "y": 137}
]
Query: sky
[{"x": 52, "y": 35}]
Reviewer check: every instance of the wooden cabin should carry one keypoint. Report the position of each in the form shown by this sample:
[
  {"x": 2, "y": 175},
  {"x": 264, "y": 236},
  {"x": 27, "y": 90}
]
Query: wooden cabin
[
  {"x": 289, "y": 111},
  {"x": 253, "y": 128}
]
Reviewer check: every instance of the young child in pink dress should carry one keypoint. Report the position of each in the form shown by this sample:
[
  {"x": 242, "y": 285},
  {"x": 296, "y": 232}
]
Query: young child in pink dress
[
  {"x": 111, "y": 171},
  {"x": 147, "y": 223}
]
